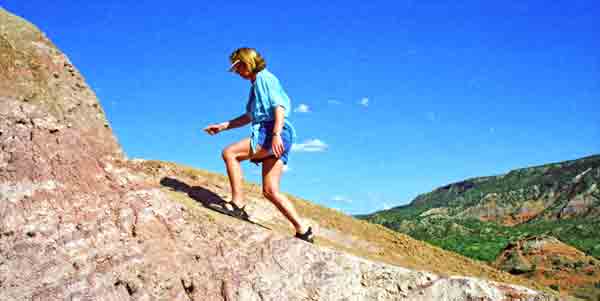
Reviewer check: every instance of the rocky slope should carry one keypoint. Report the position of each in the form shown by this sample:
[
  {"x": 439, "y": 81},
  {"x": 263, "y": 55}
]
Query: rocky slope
[{"x": 80, "y": 221}]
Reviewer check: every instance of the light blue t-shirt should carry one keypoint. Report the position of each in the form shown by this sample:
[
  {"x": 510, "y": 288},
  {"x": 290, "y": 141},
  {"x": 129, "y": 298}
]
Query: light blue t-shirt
[{"x": 266, "y": 93}]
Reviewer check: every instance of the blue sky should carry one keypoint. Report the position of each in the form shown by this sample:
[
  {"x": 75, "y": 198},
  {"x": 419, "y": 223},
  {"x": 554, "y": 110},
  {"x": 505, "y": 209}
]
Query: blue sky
[{"x": 401, "y": 96}]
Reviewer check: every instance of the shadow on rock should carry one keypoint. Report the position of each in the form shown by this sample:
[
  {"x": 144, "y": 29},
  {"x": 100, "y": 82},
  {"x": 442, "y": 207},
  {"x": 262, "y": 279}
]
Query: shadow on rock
[{"x": 201, "y": 195}]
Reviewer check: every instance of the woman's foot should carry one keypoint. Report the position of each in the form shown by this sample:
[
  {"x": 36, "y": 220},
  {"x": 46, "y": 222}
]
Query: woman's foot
[
  {"x": 307, "y": 236},
  {"x": 232, "y": 209}
]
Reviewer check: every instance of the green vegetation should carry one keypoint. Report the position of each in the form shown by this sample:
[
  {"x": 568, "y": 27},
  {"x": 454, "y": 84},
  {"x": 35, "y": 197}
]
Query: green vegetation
[
  {"x": 515, "y": 186},
  {"x": 454, "y": 222},
  {"x": 587, "y": 293},
  {"x": 485, "y": 240}
]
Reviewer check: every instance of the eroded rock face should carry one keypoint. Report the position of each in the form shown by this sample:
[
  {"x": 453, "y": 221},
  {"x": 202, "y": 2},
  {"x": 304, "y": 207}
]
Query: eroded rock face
[
  {"x": 77, "y": 222},
  {"x": 556, "y": 191},
  {"x": 552, "y": 262},
  {"x": 34, "y": 71},
  {"x": 52, "y": 128}
]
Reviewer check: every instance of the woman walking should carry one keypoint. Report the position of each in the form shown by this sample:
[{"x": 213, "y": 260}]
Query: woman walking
[{"x": 270, "y": 141}]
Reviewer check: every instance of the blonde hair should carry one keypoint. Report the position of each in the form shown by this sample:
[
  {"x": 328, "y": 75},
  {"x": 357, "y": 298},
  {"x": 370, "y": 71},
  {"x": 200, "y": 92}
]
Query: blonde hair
[{"x": 249, "y": 56}]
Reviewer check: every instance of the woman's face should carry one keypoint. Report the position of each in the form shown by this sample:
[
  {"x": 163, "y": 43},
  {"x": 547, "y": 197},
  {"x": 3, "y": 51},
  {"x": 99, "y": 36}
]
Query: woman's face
[{"x": 243, "y": 70}]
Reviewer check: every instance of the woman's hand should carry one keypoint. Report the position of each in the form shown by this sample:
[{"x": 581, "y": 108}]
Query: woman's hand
[
  {"x": 277, "y": 146},
  {"x": 215, "y": 128}
]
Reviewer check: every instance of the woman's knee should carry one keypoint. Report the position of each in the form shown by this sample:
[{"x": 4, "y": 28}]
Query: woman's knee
[
  {"x": 270, "y": 192},
  {"x": 228, "y": 154}
]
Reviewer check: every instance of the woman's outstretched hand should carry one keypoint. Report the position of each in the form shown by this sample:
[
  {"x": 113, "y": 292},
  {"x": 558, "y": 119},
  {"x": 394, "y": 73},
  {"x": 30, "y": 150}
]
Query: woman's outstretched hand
[
  {"x": 214, "y": 128},
  {"x": 277, "y": 146}
]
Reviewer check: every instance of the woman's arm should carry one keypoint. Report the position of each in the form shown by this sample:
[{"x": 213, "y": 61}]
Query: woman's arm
[
  {"x": 227, "y": 125},
  {"x": 279, "y": 119},
  {"x": 242, "y": 120},
  {"x": 277, "y": 143}
]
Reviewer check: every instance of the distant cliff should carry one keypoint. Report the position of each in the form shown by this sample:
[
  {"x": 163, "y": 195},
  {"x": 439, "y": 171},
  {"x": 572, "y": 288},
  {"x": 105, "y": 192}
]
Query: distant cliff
[{"x": 554, "y": 191}]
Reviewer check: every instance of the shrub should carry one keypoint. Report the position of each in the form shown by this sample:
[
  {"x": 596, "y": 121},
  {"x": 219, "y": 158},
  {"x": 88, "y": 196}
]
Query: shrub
[
  {"x": 556, "y": 262},
  {"x": 555, "y": 287}
]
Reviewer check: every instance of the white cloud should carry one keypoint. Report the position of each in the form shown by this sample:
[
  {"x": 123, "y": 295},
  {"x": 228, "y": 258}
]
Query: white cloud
[
  {"x": 311, "y": 145},
  {"x": 386, "y": 206},
  {"x": 364, "y": 101},
  {"x": 339, "y": 198},
  {"x": 334, "y": 101},
  {"x": 302, "y": 108}
]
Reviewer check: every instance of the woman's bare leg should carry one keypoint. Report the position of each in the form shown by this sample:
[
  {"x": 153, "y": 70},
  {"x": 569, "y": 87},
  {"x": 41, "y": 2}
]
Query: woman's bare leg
[
  {"x": 233, "y": 155},
  {"x": 271, "y": 172}
]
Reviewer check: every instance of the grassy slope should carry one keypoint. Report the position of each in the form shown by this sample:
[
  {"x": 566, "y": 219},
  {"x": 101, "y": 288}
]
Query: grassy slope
[{"x": 384, "y": 244}]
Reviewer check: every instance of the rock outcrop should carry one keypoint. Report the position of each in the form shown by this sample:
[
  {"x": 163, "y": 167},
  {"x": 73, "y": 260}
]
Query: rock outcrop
[
  {"x": 80, "y": 222},
  {"x": 553, "y": 263}
]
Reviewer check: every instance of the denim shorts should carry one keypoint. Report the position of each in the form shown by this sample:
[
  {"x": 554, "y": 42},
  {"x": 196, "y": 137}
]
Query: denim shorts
[{"x": 265, "y": 138}]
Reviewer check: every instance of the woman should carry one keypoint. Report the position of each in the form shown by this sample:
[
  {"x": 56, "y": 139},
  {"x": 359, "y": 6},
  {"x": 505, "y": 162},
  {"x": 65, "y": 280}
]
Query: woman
[{"x": 270, "y": 140}]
